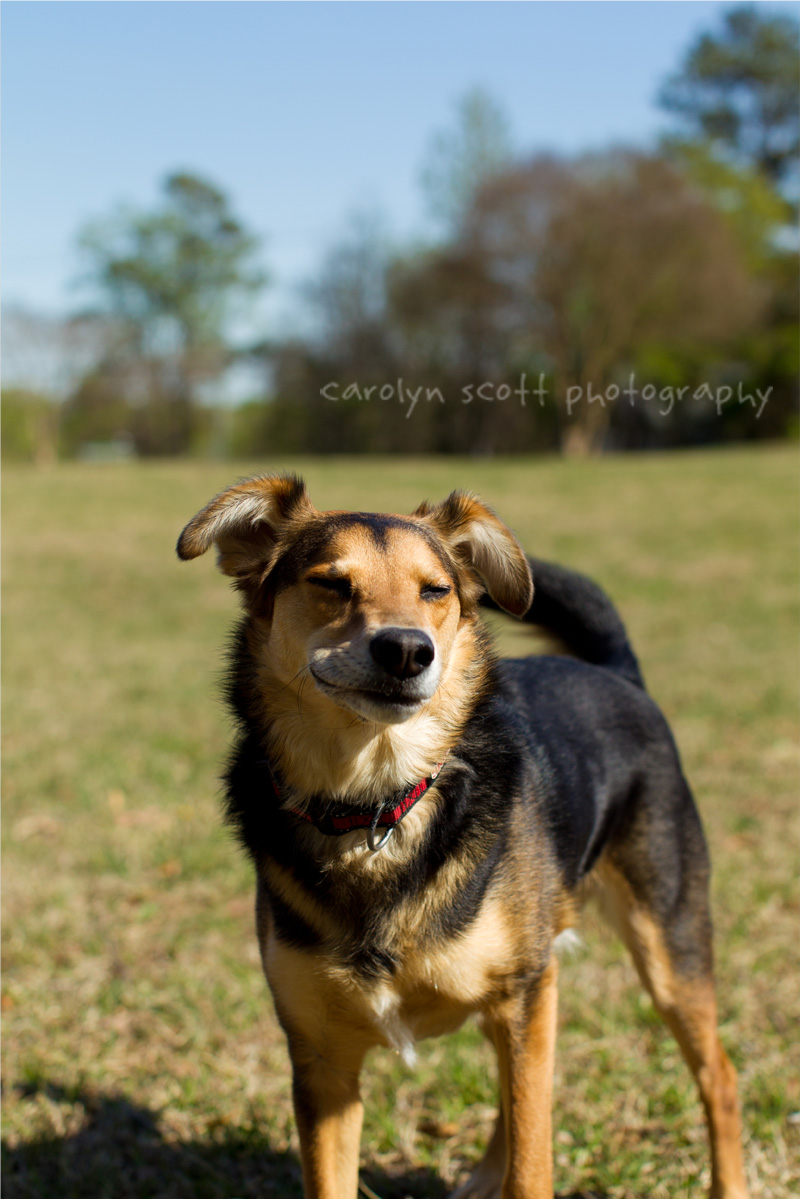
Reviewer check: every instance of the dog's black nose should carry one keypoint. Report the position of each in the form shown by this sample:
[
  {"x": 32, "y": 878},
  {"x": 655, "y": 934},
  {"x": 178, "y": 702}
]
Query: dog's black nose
[{"x": 403, "y": 653}]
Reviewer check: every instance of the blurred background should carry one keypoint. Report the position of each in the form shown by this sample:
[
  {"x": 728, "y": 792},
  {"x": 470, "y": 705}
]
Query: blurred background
[{"x": 248, "y": 229}]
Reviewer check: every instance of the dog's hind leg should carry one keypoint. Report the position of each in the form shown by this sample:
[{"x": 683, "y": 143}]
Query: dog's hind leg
[
  {"x": 486, "y": 1180},
  {"x": 671, "y": 947}
]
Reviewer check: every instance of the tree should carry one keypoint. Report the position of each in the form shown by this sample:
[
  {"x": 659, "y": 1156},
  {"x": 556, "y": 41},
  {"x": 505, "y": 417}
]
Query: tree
[
  {"x": 348, "y": 296},
  {"x": 736, "y": 96},
  {"x": 29, "y": 427},
  {"x": 460, "y": 159},
  {"x": 582, "y": 268},
  {"x": 47, "y": 354},
  {"x": 44, "y": 358},
  {"x": 738, "y": 89},
  {"x": 448, "y": 309},
  {"x": 746, "y": 200},
  {"x": 348, "y": 340},
  {"x": 172, "y": 281}
]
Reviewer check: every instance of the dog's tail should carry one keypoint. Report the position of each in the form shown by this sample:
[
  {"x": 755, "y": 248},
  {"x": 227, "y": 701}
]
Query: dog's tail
[{"x": 581, "y": 615}]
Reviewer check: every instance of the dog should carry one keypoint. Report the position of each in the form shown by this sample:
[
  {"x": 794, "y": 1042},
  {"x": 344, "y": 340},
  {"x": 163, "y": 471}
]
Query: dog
[{"x": 425, "y": 820}]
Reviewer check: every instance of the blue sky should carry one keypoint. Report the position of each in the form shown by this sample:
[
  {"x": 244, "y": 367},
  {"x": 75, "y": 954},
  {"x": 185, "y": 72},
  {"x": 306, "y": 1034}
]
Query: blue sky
[{"x": 303, "y": 112}]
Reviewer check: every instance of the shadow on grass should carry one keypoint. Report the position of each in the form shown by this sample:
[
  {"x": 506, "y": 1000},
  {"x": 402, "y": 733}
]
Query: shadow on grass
[{"x": 121, "y": 1153}]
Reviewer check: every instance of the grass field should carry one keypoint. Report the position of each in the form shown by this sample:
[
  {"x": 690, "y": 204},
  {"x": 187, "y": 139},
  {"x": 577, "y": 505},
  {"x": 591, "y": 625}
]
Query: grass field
[{"x": 141, "y": 1055}]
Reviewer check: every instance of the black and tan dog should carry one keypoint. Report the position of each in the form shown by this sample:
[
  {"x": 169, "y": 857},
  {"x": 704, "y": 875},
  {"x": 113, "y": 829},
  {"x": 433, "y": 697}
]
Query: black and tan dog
[{"x": 425, "y": 820}]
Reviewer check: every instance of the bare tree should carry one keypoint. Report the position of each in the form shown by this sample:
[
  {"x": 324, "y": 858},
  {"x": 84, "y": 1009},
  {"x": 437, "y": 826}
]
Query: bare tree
[
  {"x": 348, "y": 295},
  {"x": 463, "y": 157}
]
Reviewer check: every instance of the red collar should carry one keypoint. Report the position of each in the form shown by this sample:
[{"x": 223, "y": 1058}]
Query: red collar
[{"x": 335, "y": 819}]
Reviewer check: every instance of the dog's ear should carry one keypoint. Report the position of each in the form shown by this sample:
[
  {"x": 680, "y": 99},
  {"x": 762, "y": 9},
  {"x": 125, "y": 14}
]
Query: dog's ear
[
  {"x": 479, "y": 539},
  {"x": 246, "y": 523}
]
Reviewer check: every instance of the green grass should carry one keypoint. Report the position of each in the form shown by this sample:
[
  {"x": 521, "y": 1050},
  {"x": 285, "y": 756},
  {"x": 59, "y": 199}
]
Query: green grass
[{"x": 141, "y": 1054}]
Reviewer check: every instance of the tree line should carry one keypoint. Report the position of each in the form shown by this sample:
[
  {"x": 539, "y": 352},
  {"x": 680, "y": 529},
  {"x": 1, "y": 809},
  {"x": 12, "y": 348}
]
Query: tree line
[{"x": 618, "y": 299}]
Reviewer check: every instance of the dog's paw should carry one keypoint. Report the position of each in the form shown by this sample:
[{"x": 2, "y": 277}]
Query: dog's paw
[{"x": 483, "y": 1184}]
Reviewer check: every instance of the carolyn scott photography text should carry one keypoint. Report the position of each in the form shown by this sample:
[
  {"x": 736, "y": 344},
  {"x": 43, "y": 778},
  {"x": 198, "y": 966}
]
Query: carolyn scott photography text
[{"x": 525, "y": 392}]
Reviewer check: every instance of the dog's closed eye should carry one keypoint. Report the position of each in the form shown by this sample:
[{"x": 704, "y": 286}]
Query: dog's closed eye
[
  {"x": 434, "y": 591},
  {"x": 337, "y": 584}
]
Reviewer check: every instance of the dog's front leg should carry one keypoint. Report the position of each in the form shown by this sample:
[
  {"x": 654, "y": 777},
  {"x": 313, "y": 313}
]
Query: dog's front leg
[
  {"x": 329, "y": 1112},
  {"x": 523, "y": 1029},
  {"x": 327, "y": 1051}
]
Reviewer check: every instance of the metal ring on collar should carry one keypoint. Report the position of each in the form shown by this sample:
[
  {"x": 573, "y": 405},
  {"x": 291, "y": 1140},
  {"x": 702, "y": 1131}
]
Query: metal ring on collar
[{"x": 373, "y": 828}]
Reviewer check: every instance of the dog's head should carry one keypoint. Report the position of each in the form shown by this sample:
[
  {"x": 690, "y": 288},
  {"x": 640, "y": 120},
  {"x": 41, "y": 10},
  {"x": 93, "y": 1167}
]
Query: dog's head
[{"x": 369, "y": 605}]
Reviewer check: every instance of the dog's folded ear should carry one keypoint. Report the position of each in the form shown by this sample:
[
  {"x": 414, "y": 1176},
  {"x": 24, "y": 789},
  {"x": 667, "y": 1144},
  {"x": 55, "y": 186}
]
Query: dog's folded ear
[
  {"x": 479, "y": 539},
  {"x": 246, "y": 523}
]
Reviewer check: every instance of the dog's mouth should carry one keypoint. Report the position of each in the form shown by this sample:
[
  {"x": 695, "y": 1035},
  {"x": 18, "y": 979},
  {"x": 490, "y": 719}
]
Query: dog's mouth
[{"x": 395, "y": 704}]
